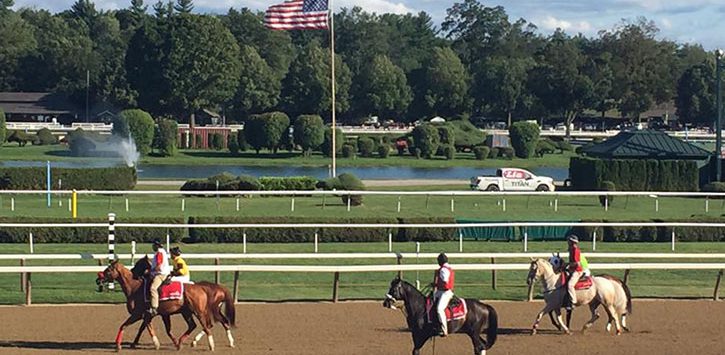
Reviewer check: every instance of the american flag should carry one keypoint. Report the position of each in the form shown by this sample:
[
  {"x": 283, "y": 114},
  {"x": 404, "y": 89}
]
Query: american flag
[{"x": 297, "y": 15}]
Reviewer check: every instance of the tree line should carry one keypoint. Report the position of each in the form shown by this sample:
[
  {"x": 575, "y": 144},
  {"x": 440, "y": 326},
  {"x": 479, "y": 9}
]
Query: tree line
[{"x": 172, "y": 62}]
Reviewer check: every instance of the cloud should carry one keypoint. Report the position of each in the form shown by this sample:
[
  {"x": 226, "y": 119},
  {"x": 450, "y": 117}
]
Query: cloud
[{"x": 551, "y": 23}]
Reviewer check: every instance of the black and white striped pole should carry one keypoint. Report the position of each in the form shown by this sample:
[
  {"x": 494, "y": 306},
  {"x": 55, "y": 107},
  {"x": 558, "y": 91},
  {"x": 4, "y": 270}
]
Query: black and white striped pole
[{"x": 111, "y": 242}]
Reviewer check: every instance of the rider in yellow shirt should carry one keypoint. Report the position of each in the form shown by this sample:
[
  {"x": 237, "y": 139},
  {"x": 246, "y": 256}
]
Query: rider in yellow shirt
[{"x": 181, "y": 270}]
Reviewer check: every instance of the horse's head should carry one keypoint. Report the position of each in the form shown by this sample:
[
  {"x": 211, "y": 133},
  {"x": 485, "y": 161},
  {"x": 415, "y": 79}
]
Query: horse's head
[
  {"x": 395, "y": 294},
  {"x": 111, "y": 273},
  {"x": 141, "y": 268},
  {"x": 538, "y": 269},
  {"x": 557, "y": 262}
]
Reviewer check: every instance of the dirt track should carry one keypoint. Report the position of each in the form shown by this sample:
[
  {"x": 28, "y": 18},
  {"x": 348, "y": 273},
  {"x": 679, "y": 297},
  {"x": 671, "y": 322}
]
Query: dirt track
[{"x": 659, "y": 327}]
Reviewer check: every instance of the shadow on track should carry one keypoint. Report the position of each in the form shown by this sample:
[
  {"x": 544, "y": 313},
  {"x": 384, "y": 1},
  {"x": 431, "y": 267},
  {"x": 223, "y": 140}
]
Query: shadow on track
[{"x": 57, "y": 345}]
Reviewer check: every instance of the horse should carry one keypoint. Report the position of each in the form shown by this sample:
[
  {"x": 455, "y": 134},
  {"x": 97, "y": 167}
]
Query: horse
[
  {"x": 195, "y": 303},
  {"x": 480, "y": 316},
  {"x": 613, "y": 295},
  {"x": 216, "y": 295}
]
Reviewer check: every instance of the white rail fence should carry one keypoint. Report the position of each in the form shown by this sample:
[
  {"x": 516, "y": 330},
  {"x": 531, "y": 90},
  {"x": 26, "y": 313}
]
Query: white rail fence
[{"x": 336, "y": 270}]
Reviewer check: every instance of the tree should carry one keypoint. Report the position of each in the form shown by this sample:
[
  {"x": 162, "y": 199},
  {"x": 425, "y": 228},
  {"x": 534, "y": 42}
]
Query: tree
[
  {"x": 258, "y": 86},
  {"x": 137, "y": 125},
  {"x": 184, "y": 6},
  {"x": 3, "y": 127},
  {"x": 559, "y": 79},
  {"x": 167, "y": 134},
  {"x": 384, "y": 89},
  {"x": 309, "y": 133},
  {"x": 426, "y": 139},
  {"x": 266, "y": 130},
  {"x": 524, "y": 137},
  {"x": 199, "y": 65},
  {"x": 306, "y": 88},
  {"x": 326, "y": 146},
  {"x": 500, "y": 84},
  {"x": 446, "y": 83},
  {"x": 16, "y": 42},
  {"x": 696, "y": 95}
]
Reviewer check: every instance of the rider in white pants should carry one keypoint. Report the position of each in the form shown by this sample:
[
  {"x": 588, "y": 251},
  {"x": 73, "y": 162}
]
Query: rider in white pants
[{"x": 443, "y": 283}]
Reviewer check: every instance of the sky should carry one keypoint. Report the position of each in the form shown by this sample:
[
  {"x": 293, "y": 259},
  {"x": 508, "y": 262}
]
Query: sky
[{"x": 684, "y": 21}]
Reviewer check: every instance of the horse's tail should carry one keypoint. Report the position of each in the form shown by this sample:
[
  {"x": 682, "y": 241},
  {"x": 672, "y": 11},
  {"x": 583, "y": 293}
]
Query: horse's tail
[
  {"x": 492, "y": 330},
  {"x": 229, "y": 310},
  {"x": 627, "y": 292}
]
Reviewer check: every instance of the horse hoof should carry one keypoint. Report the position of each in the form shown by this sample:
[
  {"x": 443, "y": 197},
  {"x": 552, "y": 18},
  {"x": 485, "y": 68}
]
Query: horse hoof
[
  {"x": 533, "y": 332},
  {"x": 118, "y": 349},
  {"x": 193, "y": 344}
]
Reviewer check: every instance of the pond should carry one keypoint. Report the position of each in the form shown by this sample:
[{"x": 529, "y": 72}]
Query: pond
[{"x": 181, "y": 172}]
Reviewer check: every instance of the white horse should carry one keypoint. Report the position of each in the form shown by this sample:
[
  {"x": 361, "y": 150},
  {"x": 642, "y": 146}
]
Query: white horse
[{"x": 605, "y": 290}]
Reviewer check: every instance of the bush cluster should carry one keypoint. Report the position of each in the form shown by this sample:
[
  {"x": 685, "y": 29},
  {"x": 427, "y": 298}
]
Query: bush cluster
[
  {"x": 634, "y": 174},
  {"x": 292, "y": 183},
  {"x": 88, "y": 235},
  {"x": 45, "y": 137},
  {"x": 481, "y": 152},
  {"x": 166, "y": 135},
  {"x": 34, "y": 178},
  {"x": 136, "y": 124},
  {"x": 229, "y": 182},
  {"x": 346, "y": 182},
  {"x": 655, "y": 234},
  {"x": 524, "y": 138}
]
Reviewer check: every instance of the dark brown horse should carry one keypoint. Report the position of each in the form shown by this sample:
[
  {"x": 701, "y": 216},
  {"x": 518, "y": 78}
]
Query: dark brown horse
[
  {"x": 194, "y": 303},
  {"x": 480, "y": 317}
]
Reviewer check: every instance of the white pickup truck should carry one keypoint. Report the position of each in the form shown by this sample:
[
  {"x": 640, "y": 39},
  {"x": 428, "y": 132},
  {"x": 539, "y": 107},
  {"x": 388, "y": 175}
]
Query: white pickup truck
[{"x": 510, "y": 179}]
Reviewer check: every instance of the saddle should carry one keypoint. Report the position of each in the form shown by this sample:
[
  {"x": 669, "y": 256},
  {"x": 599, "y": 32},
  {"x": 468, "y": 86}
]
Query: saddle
[
  {"x": 169, "y": 290},
  {"x": 456, "y": 309},
  {"x": 584, "y": 283}
]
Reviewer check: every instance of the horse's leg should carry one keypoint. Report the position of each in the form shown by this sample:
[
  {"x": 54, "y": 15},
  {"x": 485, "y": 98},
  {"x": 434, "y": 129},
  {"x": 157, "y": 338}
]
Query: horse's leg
[
  {"x": 198, "y": 337},
  {"x": 227, "y": 327},
  {"x": 478, "y": 346},
  {"x": 138, "y": 335},
  {"x": 595, "y": 315},
  {"x": 614, "y": 316},
  {"x": 152, "y": 332},
  {"x": 167, "y": 325},
  {"x": 624, "y": 323},
  {"x": 553, "y": 321},
  {"x": 547, "y": 309},
  {"x": 189, "y": 318},
  {"x": 418, "y": 342},
  {"x": 565, "y": 329},
  {"x": 569, "y": 312},
  {"x": 133, "y": 318}
]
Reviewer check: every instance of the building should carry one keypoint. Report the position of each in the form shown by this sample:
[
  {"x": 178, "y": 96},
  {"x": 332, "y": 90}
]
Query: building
[{"x": 36, "y": 107}]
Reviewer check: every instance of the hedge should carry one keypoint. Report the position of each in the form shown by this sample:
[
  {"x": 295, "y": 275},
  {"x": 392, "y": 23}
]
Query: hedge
[
  {"x": 226, "y": 181},
  {"x": 34, "y": 178},
  {"x": 87, "y": 235},
  {"x": 426, "y": 234},
  {"x": 524, "y": 137},
  {"x": 655, "y": 234},
  {"x": 292, "y": 183},
  {"x": 634, "y": 175}
]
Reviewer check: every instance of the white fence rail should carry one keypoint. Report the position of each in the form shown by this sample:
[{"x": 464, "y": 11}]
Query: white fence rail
[{"x": 27, "y": 271}]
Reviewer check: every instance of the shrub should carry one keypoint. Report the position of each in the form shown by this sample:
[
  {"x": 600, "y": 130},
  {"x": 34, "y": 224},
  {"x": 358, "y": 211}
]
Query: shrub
[
  {"x": 481, "y": 152},
  {"x": 366, "y": 145},
  {"x": 233, "y": 143},
  {"x": 46, "y": 137},
  {"x": 714, "y": 187},
  {"x": 426, "y": 139},
  {"x": 564, "y": 146},
  {"x": 495, "y": 153},
  {"x": 167, "y": 135},
  {"x": 507, "y": 152},
  {"x": 426, "y": 234},
  {"x": 292, "y": 183},
  {"x": 545, "y": 146},
  {"x": 266, "y": 130},
  {"x": 242, "y": 141},
  {"x": 3, "y": 127},
  {"x": 80, "y": 143},
  {"x": 524, "y": 136},
  {"x": 606, "y": 186},
  {"x": 467, "y": 135},
  {"x": 248, "y": 183},
  {"x": 217, "y": 141},
  {"x": 198, "y": 141},
  {"x": 346, "y": 182},
  {"x": 348, "y": 150},
  {"x": 447, "y": 134},
  {"x": 326, "y": 146},
  {"x": 634, "y": 174},
  {"x": 227, "y": 182},
  {"x": 449, "y": 151},
  {"x": 34, "y": 178},
  {"x": 136, "y": 124},
  {"x": 309, "y": 133},
  {"x": 383, "y": 150},
  {"x": 88, "y": 235},
  {"x": 20, "y": 137}
]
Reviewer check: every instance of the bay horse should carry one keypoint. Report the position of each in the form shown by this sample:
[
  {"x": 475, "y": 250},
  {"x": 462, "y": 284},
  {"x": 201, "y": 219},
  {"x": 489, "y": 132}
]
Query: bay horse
[
  {"x": 480, "y": 317},
  {"x": 194, "y": 303},
  {"x": 614, "y": 296}
]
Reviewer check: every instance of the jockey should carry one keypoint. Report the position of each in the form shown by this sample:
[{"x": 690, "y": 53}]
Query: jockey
[
  {"x": 160, "y": 270},
  {"x": 181, "y": 270},
  {"x": 443, "y": 286},
  {"x": 578, "y": 266}
]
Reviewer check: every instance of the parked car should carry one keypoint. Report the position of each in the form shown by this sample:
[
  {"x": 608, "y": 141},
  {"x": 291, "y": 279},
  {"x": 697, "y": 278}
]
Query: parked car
[{"x": 512, "y": 179}]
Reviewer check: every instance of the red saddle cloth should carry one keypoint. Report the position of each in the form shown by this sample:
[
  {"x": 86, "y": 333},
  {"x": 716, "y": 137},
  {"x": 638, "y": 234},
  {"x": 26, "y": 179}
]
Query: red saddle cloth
[
  {"x": 583, "y": 284},
  {"x": 172, "y": 291},
  {"x": 456, "y": 309}
]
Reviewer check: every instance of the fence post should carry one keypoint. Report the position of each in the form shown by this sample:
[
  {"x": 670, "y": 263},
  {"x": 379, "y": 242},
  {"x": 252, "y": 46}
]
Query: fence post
[
  {"x": 399, "y": 260},
  {"x": 348, "y": 202},
  {"x": 126, "y": 204},
  {"x": 460, "y": 241},
  {"x": 28, "y": 290},
  {"x": 390, "y": 242},
  {"x": 236, "y": 286},
  {"x": 244, "y": 242},
  {"x": 504, "y": 205},
  {"x": 133, "y": 251},
  {"x": 606, "y": 203},
  {"x": 716, "y": 295},
  {"x": 30, "y": 242},
  {"x": 398, "y": 204},
  {"x": 316, "y": 241},
  {"x": 707, "y": 204},
  {"x": 594, "y": 241},
  {"x": 183, "y": 204},
  {"x": 556, "y": 204},
  {"x": 453, "y": 204},
  {"x": 74, "y": 203},
  {"x": 292, "y": 207},
  {"x": 626, "y": 276},
  {"x": 417, "y": 261},
  {"x": 217, "y": 275},
  {"x": 23, "y": 276},
  {"x": 237, "y": 204},
  {"x": 111, "y": 243},
  {"x": 493, "y": 274},
  {"x": 427, "y": 199},
  {"x": 336, "y": 287},
  {"x": 526, "y": 240},
  {"x": 673, "y": 238}
]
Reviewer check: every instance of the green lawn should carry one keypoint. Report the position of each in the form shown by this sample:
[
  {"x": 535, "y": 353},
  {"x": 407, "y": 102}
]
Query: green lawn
[
  {"x": 210, "y": 157},
  {"x": 518, "y": 208},
  {"x": 54, "y": 288}
]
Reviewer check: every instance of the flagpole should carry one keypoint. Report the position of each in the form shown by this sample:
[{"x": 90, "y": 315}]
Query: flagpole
[{"x": 332, "y": 67}]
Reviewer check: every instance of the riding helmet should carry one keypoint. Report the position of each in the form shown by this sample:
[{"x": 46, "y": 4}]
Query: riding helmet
[
  {"x": 574, "y": 238},
  {"x": 157, "y": 243},
  {"x": 175, "y": 251},
  {"x": 442, "y": 259}
]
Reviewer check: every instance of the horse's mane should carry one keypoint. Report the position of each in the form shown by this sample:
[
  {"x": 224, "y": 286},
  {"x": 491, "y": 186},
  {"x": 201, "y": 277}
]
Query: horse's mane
[
  {"x": 410, "y": 286},
  {"x": 545, "y": 264}
]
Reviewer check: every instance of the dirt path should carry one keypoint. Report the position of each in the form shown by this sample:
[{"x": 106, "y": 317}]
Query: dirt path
[{"x": 659, "y": 327}]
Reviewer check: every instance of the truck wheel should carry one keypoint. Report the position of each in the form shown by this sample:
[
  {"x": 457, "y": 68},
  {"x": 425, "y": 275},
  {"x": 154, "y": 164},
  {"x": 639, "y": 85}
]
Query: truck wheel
[
  {"x": 492, "y": 188},
  {"x": 542, "y": 187}
]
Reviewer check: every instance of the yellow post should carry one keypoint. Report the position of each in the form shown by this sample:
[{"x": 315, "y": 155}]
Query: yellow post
[{"x": 74, "y": 204}]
